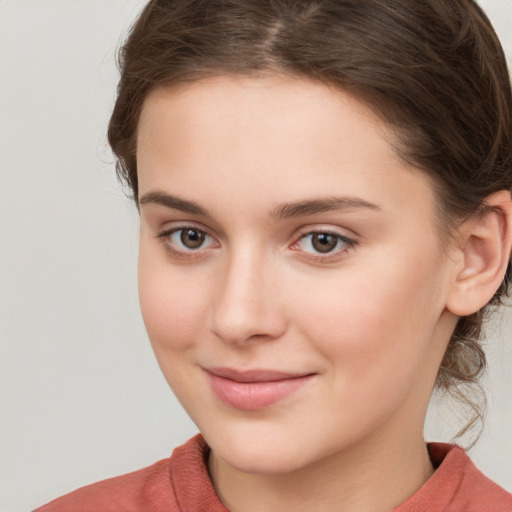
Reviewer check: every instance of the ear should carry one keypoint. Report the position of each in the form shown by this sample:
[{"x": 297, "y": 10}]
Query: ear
[{"x": 484, "y": 253}]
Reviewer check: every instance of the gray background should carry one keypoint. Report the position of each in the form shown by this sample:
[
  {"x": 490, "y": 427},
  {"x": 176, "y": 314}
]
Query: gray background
[{"x": 81, "y": 396}]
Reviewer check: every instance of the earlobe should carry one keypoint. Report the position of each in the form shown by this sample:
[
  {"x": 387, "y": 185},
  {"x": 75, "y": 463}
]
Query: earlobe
[{"x": 486, "y": 241}]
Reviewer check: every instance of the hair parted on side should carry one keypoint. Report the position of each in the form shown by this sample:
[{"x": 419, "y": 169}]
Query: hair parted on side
[{"x": 432, "y": 70}]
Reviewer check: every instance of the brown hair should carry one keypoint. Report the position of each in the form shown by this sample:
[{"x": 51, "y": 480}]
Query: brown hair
[{"x": 433, "y": 70}]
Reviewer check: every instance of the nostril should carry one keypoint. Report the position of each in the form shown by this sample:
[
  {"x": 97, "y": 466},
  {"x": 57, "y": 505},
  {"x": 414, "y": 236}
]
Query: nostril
[
  {"x": 244, "y": 308},
  {"x": 247, "y": 328}
]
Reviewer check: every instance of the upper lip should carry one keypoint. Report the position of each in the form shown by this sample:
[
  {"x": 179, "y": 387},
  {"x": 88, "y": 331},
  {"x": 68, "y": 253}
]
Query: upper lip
[{"x": 255, "y": 375}]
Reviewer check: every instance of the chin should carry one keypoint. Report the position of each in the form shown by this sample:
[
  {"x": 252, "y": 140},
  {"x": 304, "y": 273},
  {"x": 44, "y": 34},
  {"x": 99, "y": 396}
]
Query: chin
[
  {"x": 263, "y": 450},
  {"x": 265, "y": 461}
]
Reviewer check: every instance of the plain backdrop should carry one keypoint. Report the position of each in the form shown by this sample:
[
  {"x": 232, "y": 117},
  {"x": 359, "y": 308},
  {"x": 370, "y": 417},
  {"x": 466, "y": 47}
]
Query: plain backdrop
[{"x": 82, "y": 398}]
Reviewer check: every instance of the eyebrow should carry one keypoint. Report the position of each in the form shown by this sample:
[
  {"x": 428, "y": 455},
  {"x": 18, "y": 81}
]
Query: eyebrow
[
  {"x": 321, "y": 205},
  {"x": 282, "y": 211},
  {"x": 173, "y": 202}
]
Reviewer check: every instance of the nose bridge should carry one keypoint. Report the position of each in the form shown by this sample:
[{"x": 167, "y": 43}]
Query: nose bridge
[{"x": 245, "y": 305}]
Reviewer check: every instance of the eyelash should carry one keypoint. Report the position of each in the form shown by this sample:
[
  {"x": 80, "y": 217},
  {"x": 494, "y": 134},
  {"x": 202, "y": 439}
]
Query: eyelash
[
  {"x": 191, "y": 254},
  {"x": 348, "y": 243},
  {"x": 188, "y": 254}
]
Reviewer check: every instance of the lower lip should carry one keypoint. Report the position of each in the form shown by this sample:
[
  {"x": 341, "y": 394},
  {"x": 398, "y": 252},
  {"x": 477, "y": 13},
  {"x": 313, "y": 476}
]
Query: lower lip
[{"x": 250, "y": 396}]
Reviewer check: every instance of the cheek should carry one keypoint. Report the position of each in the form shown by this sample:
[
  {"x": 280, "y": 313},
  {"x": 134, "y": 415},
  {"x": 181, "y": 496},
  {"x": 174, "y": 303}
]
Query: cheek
[
  {"x": 172, "y": 308},
  {"x": 375, "y": 322},
  {"x": 171, "y": 304}
]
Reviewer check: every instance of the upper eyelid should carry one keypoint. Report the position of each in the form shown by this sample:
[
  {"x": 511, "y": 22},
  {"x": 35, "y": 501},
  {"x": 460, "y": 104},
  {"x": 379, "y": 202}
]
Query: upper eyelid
[
  {"x": 332, "y": 230},
  {"x": 167, "y": 230},
  {"x": 161, "y": 219},
  {"x": 350, "y": 239},
  {"x": 323, "y": 231}
]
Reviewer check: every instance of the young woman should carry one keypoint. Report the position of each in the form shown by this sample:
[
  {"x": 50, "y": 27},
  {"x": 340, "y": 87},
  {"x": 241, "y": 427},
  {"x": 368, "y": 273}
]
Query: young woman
[{"x": 324, "y": 194}]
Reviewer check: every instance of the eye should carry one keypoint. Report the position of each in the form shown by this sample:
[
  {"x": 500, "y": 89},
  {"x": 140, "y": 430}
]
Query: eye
[
  {"x": 323, "y": 243},
  {"x": 186, "y": 239}
]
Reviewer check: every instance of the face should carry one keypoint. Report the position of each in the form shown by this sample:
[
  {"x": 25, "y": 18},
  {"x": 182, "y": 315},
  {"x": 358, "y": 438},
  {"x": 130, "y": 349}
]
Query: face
[{"x": 291, "y": 278}]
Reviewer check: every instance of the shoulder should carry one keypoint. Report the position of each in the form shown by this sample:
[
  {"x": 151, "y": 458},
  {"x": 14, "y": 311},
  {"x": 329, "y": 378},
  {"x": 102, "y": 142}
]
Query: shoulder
[
  {"x": 457, "y": 486},
  {"x": 474, "y": 488},
  {"x": 150, "y": 489},
  {"x": 125, "y": 493}
]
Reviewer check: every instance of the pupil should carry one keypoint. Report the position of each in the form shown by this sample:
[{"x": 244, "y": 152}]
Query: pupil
[
  {"x": 192, "y": 238},
  {"x": 323, "y": 242}
]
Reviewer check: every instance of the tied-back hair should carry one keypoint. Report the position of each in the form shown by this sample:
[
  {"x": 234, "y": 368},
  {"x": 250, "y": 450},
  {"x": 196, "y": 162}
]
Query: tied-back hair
[{"x": 432, "y": 70}]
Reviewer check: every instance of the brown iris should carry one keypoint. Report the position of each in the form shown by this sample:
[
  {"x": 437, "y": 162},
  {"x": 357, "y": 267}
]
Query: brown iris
[
  {"x": 192, "y": 238},
  {"x": 324, "y": 242}
]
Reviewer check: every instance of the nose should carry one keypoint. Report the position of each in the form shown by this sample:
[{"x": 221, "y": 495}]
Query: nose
[{"x": 246, "y": 306}]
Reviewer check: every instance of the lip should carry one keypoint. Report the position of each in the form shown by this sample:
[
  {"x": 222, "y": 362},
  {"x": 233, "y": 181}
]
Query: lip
[{"x": 254, "y": 389}]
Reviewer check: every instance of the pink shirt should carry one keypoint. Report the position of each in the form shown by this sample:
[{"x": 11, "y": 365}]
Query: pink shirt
[{"x": 181, "y": 484}]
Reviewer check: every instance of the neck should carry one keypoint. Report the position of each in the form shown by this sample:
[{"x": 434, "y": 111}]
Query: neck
[{"x": 372, "y": 476}]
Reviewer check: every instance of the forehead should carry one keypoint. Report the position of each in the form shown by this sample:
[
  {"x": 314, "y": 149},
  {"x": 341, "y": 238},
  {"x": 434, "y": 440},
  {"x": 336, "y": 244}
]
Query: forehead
[
  {"x": 270, "y": 138},
  {"x": 275, "y": 101}
]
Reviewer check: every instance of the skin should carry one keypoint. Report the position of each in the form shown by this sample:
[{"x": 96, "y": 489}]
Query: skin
[{"x": 369, "y": 320}]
